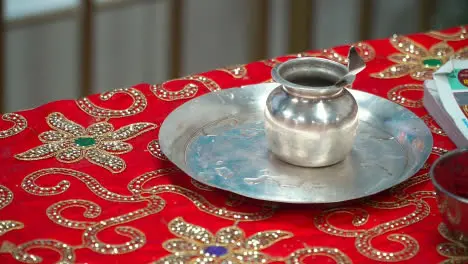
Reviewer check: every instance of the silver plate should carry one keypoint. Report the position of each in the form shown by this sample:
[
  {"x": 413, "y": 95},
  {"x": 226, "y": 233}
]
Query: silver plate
[{"x": 218, "y": 139}]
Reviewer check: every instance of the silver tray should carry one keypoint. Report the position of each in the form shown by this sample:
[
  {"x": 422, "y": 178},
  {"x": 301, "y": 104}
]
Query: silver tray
[{"x": 218, "y": 139}]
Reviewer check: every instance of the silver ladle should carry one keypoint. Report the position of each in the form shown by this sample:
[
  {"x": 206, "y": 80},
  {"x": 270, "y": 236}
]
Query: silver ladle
[{"x": 355, "y": 65}]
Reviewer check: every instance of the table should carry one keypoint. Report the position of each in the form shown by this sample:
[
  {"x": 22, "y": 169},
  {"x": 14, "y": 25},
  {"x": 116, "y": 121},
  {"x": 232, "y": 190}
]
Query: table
[{"x": 85, "y": 181}]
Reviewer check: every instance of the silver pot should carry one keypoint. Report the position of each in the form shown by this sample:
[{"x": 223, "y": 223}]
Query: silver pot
[{"x": 309, "y": 121}]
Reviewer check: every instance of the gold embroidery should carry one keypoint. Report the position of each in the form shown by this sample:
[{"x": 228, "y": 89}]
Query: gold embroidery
[
  {"x": 8, "y": 225},
  {"x": 432, "y": 124},
  {"x": 271, "y": 62},
  {"x": 188, "y": 91},
  {"x": 364, "y": 237},
  {"x": 461, "y": 34},
  {"x": 137, "y": 238},
  {"x": 67, "y": 255},
  {"x": 155, "y": 150},
  {"x": 234, "y": 200},
  {"x": 337, "y": 255},
  {"x": 236, "y": 71},
  {"x": 138, "y": 105},
  {"x": 29, "y": 185},
  {"x": 455, "y": 251},
  {"x": 396, "y": 94},
  {"x": 365, "y": 50},
  {"x": 415, "y": 60},
  {"x": 137, "y": 186},
  {"x": 69, "y": 142},
  {"x": 438, "y": 151},
  {"x": 6, "y": 196},
  {"x": 399, "y": 191},
  {"x": 195, "y": 244},
  {"x": 20, "y": 124},
  {"x": 201, "y": 186},
  {"x": 92, "y": 210}
]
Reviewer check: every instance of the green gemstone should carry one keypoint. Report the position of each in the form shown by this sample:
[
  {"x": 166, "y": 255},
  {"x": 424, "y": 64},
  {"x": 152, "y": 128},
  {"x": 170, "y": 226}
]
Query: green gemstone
[
  {"x": 85, "y": 141},
  {"x": 432, "y": 63}
]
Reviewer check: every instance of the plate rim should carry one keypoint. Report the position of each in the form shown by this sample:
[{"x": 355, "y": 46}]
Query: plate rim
[{"x": 425, "y": 154}]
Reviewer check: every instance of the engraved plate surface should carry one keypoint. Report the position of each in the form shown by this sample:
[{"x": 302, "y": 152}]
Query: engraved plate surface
[{"x": 218, "y": 139}]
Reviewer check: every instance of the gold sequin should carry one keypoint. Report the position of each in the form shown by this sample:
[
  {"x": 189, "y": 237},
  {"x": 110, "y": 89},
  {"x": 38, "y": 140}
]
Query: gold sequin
[
  {"x": 461, "y": 34},
  {"x": 137, "y": 238},
  {"x": 92, "y": 210},
  {"x": 236, "y": 71},
  {"x": 29, "y": 185},
  {"x": 455, "y": 251},
  {"x": 67, "y": 254},
  {"x": 365, "y": 50},
  {"x": 138, "y": 105},
  {"x": 136, "y": 186},
  {"x": 432, "y": 124},
  {"x": 19, "y": 122},
  {"x": 6, "y": 196},
  {"x": 8, "y": 225},
  {"x": 337, "y": 255},
  {"x": 188, "y": 91},
  {"x": 397, "y": 95},
  {"x": 415, "y": 60},
  {"x": 155, "y": 150},
  {"x": 438, "y": 151},
  {"x": 69, "y": 142},
  {"x": 195, "y": 244}
]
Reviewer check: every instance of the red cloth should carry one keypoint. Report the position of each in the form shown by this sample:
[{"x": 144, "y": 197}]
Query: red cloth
[{"x": 105, "y": 194}]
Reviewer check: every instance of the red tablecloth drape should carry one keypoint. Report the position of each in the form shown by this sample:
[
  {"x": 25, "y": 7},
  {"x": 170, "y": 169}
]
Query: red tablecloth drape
[{"x": 85, "y": 182}]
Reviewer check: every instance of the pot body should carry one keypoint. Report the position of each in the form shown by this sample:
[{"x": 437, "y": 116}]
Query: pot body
[{"x": 310, "y": 122}]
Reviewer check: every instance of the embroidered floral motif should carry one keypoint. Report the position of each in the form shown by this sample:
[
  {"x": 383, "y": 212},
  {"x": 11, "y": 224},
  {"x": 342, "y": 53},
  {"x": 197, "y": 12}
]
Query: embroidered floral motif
[
  {"x": 397, "y": 95},
  {"x": 20, "y": 124},
  {"x": 67, "y": 254},
  {"x": 364, "y": 50},
  {"x": 69, "y": 142},
  {"x": 455, "y": 251},
  {"x": 137, "y": 237},
  {"x": 416, "y": 61},
  {"x": 432, "y": 124},
  {"x": 6, "y": 196},
  {"x": 8, "y": 225},
  {"x": 155, "y": 150},
  {"x": 364, "y": 237},
  {"x": 195, "y": 244},
  {"x": 337, "y": 255},
  {"x": 139, "y": 104},
  {"x": 461, "y": 34},
  {"x": 236, "y": 71},
  {"x": 188, "y": 91},
  {"x": 438, "y": 151}
]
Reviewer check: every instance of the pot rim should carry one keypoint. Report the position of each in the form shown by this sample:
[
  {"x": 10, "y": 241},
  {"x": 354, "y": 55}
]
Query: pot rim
[
  {"x": 304, "y": 90},
  {"x": 436, "y": 183}
]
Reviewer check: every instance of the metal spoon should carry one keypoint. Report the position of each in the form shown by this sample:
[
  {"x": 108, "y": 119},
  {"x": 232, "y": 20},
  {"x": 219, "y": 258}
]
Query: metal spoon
[{"x": 355, "y": 65}]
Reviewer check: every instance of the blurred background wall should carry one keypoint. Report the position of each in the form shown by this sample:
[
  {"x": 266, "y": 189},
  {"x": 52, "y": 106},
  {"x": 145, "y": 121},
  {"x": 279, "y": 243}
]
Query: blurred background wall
[{"x": 47, "y": 42}]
